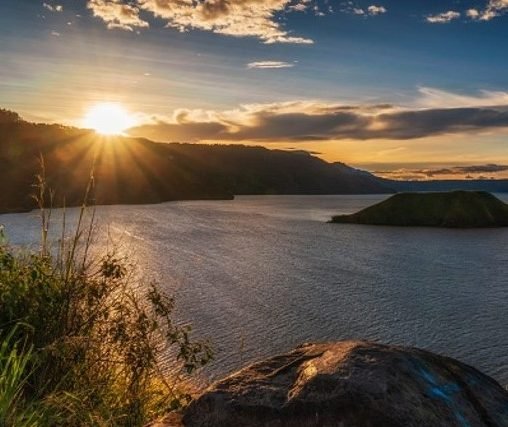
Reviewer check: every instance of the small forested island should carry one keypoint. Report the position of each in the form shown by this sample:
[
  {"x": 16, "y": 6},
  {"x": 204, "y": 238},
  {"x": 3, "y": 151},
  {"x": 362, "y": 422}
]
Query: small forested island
[{"x": 454, "y": 209}]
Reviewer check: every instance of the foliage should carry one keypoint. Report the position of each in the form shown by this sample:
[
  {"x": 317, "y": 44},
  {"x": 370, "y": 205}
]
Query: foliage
[
  {"x": 14, "y": 372},
  {"x": 7, "y": 116},
  {"x": 81, "y": 339}
]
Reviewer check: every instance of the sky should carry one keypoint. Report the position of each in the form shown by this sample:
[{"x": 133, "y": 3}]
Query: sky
[{"x": 407, "y": 89}]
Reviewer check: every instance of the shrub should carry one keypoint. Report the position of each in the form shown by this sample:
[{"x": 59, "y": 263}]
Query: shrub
[{"x": 93, "y": 337}]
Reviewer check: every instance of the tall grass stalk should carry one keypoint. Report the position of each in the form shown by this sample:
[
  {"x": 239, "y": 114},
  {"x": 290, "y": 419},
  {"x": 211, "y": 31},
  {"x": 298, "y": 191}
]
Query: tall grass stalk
[{"x": 93, "y": 336}]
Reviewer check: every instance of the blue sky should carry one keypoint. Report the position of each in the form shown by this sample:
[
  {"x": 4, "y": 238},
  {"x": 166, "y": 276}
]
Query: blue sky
[{"x": 350, "y": 80}]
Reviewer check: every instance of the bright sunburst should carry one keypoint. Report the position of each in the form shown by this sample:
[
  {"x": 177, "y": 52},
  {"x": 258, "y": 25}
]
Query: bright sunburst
[{"x": 108, "y": 119}]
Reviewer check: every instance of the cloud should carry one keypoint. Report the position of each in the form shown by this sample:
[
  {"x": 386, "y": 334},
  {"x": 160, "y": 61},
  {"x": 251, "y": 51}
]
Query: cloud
[
  {"x": 299, "y": 7},
  {"x": 372, "y": 10},
  {"x": 448, "y": 172},
  {"x": 117, "y": 14},
  {"x": 315, "y": 121},
  {"x": 240, "y": 18},
  {"x": 270, "y": 65},
  {"x": 473, "y": 13},
  {"x": 55, "y": 8},
  {"x": 376, "y": 10},
  {"x": 443, "y": 18},
  {"x": 436, "y": 98},
  {"x": 55, "y": 33},
  {"x": 161, "y": 130},
  {"x": 493, "y": 9}
]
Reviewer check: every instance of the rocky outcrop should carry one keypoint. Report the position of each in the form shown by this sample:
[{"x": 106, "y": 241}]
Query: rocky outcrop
[{"x": 353, "y": 383}]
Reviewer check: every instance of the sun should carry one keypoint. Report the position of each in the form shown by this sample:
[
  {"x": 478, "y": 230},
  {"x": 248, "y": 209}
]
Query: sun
[{"x": 108, "y": 118}]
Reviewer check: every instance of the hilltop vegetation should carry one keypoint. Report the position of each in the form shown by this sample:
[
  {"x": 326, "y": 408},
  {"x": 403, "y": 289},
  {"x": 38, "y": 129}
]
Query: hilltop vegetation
[
  {"x": 460, "y": 209},
  {"x": 136, "y": 170}
]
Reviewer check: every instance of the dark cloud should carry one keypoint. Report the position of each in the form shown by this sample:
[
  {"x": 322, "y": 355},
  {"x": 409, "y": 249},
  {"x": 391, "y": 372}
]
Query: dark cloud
[
  {"x": 300, "y": 121},
  {"x": 161, "y": 131},
  {"x": 422, "y": 123},
  {"x": 301, "y": 126}
]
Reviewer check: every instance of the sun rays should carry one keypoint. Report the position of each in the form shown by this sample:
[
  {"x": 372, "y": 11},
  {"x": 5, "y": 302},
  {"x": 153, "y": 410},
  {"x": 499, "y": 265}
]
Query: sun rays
[{"x": 108, "y": 119}]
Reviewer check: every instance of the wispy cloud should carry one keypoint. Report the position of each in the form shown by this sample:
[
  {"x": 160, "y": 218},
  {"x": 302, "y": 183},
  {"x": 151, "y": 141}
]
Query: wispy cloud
[
  {"x": 53, "y": 8},
  {"x": 473, "y": 13},
  {"x": 443, "y": 18},
  {"x": 436, "y": 98},
  {"x": 117, "y": 14},
  {"x": 492, "y": 9},
  {"x": 315, "y": 121},
  {"x": 239, "y": 18},
  {"x": 372, "y": 10},
  {"x": 376, "y": 10},
  {"x": 270, "y": 64}
]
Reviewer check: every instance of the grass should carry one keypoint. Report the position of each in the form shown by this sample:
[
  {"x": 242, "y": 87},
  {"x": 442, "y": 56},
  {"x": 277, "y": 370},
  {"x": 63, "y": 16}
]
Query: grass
[
  {"x": 15, "y": 360},
  {"x": 81, "y": 341}
]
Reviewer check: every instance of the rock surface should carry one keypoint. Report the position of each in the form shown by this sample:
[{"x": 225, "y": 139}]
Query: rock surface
[
  {"x": 456, "y": 209},
  {"x": 353, "y": 383}
]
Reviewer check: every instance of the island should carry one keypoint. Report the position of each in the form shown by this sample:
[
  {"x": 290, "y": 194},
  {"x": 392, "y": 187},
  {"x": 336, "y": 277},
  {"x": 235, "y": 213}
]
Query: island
[{"x": 453, "y": 209}]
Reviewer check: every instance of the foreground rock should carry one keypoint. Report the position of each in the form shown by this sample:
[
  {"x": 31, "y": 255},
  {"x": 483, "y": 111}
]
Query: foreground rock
[
  {"x": 459, "y": 209},
  {"x": 353, "y": 383}
]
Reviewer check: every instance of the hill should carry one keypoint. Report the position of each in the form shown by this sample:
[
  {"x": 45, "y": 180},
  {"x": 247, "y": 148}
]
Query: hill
[
  {"x": 136, "y": 170},
  {"x": 459, "y": 209}
]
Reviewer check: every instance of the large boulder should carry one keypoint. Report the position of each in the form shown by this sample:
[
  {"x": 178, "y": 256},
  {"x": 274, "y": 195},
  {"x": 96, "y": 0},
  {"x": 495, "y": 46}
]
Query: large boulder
[{"x": 353, "y": 383}]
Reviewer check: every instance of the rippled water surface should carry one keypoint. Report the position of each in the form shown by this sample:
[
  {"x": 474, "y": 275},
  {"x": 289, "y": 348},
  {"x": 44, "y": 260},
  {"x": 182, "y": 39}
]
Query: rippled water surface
[{"x": 259, "y": 275}]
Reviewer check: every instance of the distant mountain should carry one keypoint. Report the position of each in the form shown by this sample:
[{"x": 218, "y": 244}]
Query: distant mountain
[
  {"x": 457, "y": 209},
  {"x": 136, "y": 170}
]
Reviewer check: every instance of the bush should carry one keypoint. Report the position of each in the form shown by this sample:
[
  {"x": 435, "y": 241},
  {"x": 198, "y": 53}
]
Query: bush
[{"x": 93, "y": 338}]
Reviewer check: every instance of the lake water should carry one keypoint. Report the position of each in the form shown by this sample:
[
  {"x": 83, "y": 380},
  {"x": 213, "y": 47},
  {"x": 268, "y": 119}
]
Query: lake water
[{"x": 260, "y": 275}]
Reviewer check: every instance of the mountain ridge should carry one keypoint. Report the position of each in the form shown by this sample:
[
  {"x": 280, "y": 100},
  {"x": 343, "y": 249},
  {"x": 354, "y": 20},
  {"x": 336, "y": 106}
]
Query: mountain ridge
[
  {"x": 134, "y": 170},
  {"x": 129, "y": 170}
]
